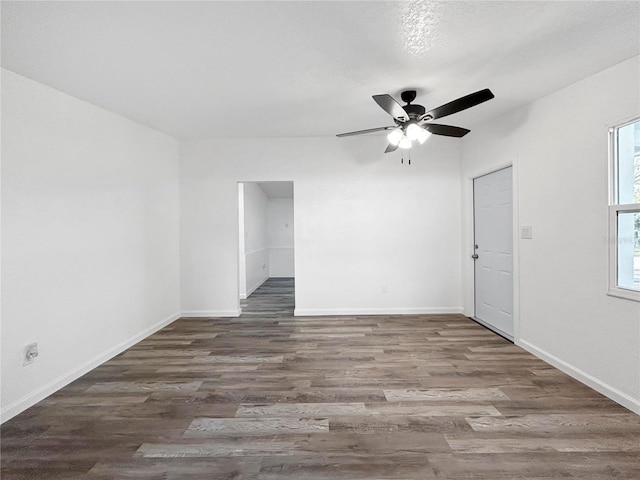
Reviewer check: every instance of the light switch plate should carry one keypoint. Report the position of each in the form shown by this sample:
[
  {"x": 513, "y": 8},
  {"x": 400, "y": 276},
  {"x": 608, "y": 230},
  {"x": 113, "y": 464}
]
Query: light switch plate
[{"x": 526, "y": 232}]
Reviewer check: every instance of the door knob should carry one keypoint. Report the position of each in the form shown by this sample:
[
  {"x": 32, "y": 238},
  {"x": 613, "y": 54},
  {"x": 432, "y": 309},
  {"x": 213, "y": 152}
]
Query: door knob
[{"x": 474, "y": 256}]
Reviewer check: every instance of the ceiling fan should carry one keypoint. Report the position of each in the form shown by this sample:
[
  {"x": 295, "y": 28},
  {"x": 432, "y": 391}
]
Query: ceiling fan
[{"x": 413, "y": 122}]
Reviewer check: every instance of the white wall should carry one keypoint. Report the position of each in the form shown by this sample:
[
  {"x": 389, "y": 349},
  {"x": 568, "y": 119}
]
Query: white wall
[
  {"x": 255, "y": 237},
  {"x": 364, "y": 223},
  {"x": 558, "y": 146},
  {"x": 89, "y": 237},
  {"x": 280, "y": 237}
]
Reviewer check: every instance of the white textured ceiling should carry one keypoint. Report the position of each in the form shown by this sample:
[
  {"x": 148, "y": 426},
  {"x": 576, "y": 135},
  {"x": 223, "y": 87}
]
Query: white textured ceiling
[{"x": 284, "y": 69}]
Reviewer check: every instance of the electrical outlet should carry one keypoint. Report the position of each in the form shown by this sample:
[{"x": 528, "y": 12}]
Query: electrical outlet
[
  {"x": 30, "y": 353},
  {"x": 384, "y": 289}
]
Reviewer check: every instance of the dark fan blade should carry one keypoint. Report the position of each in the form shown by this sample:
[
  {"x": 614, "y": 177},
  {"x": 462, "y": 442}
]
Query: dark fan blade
[
  {"x": 391, "y": 148},
  {"x": 369, "y": 130},
  {"x": 392, "y": 107},
  {"x": 446, "y": 130},
  {"x": 460, "y": 104}
]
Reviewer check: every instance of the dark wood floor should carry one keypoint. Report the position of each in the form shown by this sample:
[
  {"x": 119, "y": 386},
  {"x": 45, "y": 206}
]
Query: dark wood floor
[
  {"x": 367, "y": 398},
  {"x": 274, "y": 298}
]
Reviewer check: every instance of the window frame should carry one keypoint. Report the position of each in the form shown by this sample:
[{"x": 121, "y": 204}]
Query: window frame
[{"x": 616, "y": 208}]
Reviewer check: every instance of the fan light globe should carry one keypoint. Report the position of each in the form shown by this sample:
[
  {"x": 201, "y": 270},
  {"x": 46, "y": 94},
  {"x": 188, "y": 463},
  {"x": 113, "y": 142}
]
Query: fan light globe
[
  {"x": 395, "y": 136},
  {"x": 405, "y": 143},
  {"x": 423, "y": 135},
  {"x": 413, "y": 132}
]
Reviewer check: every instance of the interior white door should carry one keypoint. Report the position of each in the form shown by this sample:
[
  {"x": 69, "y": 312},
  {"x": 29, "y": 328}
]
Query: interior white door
[{"x": 493, "y": 234}]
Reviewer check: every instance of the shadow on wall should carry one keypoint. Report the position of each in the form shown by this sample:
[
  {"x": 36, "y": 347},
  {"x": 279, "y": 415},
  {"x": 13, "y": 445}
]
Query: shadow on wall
[{"x": 364, "y": 149}]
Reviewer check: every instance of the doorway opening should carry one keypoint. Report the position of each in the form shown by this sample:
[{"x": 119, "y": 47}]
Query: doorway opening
[{"x": 266, "y": 248}]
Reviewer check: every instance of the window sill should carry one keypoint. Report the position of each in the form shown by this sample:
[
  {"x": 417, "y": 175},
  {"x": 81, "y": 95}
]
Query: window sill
[{"x": 633, "y": 295}]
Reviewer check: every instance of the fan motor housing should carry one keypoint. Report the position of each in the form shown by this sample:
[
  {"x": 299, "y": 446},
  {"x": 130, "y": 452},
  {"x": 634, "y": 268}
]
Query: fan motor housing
[{"x": 414, "y": 111}]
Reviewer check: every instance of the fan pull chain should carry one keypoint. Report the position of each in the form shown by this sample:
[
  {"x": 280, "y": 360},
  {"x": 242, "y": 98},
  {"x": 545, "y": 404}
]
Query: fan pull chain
[{"x": 408, "y": 158}]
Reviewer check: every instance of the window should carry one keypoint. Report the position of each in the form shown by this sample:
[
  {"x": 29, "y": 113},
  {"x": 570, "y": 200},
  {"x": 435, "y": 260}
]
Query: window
[{"x": 624, "y": 211}]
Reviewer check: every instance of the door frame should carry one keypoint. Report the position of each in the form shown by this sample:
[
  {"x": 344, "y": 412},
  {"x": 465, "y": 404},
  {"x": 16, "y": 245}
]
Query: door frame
[
  {"x": 468, "y": 268},
  {"x": 239, "y": 242}
]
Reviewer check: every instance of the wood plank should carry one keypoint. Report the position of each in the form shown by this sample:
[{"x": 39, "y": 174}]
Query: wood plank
[
  {"x": 217, "y": 448},
  {"x": 450, "y": 394},
  {"x": 528, "y": 443},
  {"x": 239, "y": 359},
  {"x": 559, "y": 423},
  {"x": 112, "y": 387},
  {"x": 300, "y": 409},
  {"x": 214, "y": 427}
]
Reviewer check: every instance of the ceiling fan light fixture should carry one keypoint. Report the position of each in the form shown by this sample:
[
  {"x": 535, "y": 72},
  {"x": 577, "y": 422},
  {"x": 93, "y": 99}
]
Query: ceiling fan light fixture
[
  {"x": 395, "y": 136},
  {"x": 405, "y": 143}
]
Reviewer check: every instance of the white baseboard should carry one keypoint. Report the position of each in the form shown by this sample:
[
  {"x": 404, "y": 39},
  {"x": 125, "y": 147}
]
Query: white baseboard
[
  {"x": 613, "y": 393},
  {"x": 211, "y": 313},
  {"x": 43, "y": 392},
  {"x": 255, "y": 287},
  {"x": 309, "y": 312},
  {"x": 244, "y": 296}
]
